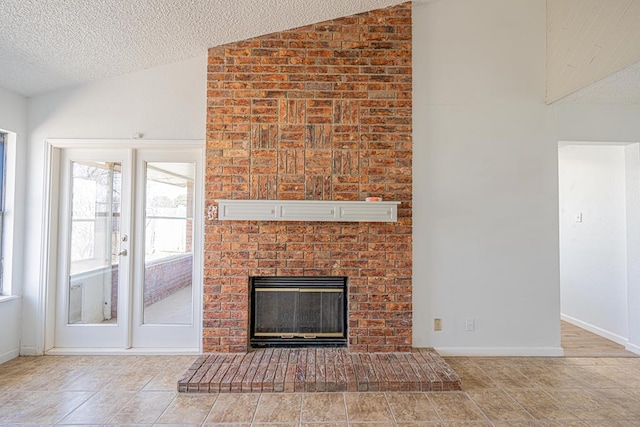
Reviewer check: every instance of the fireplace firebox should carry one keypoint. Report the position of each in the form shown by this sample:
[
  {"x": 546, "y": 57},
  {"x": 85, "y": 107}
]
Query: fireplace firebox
[{"x": 298, "y": 311}]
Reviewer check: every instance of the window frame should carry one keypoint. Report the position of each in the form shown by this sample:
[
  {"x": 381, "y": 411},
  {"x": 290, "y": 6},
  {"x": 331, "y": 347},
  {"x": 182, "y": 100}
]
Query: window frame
[
  {"x": 8, "y": 243},
  {"x": 3, "y": 168}
]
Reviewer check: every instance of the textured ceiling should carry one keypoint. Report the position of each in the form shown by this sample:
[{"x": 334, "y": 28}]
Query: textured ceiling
[
  {"x": 588, "y": 40},
  {"x": 49, "y": 44},
  {"x": 622, "y": 87}
]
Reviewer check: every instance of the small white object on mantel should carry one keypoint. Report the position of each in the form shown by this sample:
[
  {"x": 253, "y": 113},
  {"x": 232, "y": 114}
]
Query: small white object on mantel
[{"x": 307, "y": 210}]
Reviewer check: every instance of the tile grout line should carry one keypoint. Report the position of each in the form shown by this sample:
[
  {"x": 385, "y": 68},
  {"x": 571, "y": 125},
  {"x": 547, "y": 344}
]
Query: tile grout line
[
  {"x": 518, "y": 403},
  {"x": 208, "y": 412},
  {"x": 167, "y": 407},
  {"x": 435, "y": 408},
  {"x": 76, "y": 408},
  {"x": 255, "y": 410},
  {"x": 393, "y": 414},
  {"x": 346, "y": 407}
]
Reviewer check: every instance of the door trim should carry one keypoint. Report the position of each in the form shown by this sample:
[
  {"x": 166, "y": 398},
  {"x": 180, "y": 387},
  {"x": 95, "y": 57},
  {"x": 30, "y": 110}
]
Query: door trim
[
  {"x": 45, "y": 325},
  {"x": 125, "y": 143}
]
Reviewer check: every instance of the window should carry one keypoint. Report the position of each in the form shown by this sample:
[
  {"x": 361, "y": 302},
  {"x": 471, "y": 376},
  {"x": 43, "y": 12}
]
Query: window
[
  {"x": 169, "y": 210},
  {"x": 3, "y": 145},
  {"x": 95, "y": 215}
]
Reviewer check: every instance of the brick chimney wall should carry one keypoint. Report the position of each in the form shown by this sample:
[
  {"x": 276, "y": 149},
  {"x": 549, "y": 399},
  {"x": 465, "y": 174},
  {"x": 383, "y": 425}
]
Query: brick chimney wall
[{"x": 321, "y": 112}]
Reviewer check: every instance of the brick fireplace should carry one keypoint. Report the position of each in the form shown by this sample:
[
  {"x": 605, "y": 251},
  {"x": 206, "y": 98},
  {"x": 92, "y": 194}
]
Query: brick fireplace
[{"x": 321, "y": 112}]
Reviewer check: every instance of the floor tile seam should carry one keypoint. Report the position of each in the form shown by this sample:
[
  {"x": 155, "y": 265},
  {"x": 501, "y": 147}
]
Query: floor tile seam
[
  {"x": 300, "y": 409},
  {"x": 479, "y": 368},
  {"x": 113, "y": 415},
  {"x": 530, "y": 413},
  {"x": 435, "y": 407},
  {"x": 518, "y": 403},
  {"x": 147, "y": 382},
  {"x": 138, "y": 393},
  {"x": 78, "y": 406},
  {"x": 255, "y": 409},
  {"x": 164, "y": 410},
  {"x": 417, "y": 421},
  {"x": 213, "y": 404},
  {"x": 391, "y": 411},
  {"x": 346, "y": 408},
  {"x": 486, "y": 418},
  {"x": 512, "y": 399}
]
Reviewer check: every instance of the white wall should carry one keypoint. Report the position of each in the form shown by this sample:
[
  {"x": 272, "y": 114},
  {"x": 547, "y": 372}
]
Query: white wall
[
  {"x": 485, "y": 179},
  {"x": 632, "y": 185},
  {"x": 593, "y": 249},
  {"x": 13, "y": 118},
  {"x": 161, "y": 103},
  {"x": 10, "y": 333}
]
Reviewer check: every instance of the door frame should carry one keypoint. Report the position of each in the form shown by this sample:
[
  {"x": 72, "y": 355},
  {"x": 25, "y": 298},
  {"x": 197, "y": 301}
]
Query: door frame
[{"x": 49, "y": 256}]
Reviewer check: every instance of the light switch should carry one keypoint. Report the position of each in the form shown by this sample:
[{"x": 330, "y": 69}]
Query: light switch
[{"x": 579, "y": 217}]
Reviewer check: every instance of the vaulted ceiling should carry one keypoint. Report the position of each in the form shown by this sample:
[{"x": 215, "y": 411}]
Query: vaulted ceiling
[
  {"x": 591, "y": 41},
  {"x": 49, "y": 44}
]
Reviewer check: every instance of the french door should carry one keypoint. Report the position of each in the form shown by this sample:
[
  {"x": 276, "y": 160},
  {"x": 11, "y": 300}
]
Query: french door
[{"x": 128, "y": 254}]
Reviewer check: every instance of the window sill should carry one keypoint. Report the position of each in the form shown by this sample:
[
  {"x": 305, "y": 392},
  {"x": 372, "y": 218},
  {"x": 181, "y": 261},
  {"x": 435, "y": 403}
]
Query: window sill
[{"x": 4, "y": 298}]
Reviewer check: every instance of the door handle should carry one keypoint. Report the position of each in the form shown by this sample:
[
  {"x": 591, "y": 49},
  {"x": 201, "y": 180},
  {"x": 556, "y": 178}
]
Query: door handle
[{"x": 123, "y": 252}]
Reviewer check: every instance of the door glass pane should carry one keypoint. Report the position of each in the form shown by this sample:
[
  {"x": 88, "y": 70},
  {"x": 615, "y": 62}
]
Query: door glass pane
[
  {"x": 95, "y": 234},
  {"x": 168, "y": 255}
]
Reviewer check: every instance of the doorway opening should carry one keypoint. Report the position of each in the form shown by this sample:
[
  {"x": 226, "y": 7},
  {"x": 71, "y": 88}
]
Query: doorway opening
[{"x": 596, "y": 195}]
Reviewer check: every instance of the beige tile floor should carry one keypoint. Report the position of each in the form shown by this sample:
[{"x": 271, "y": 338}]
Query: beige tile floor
[
  {"x": 500, "y": 392},
  {"x": 577, "y": 342}
]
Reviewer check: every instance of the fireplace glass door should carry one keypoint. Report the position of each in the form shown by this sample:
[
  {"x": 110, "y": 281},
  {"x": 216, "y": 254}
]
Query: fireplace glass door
[{"x": 298, "y": 311}]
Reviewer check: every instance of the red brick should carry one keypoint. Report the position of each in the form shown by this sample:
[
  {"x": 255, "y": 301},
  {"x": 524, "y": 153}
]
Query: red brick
[{"x": 318, "y": 113}]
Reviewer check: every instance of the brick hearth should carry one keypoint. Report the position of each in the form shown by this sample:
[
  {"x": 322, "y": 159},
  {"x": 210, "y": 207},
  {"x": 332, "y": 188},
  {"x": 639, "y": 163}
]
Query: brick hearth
[
  {"x": 321, "y": 112},
  {"x": 319, "y": 370}
]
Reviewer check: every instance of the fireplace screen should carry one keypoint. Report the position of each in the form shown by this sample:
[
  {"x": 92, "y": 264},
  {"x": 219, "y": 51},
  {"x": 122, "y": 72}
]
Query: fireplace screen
[{"x": 292, "y": 311}]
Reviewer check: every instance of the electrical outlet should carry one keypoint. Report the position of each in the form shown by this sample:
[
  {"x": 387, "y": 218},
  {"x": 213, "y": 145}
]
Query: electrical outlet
[
  {"x": 437, "y": 324},
  {"x": 470, "y": 324}
]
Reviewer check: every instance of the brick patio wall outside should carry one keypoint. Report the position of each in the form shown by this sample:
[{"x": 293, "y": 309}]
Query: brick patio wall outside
[
  {"x": 321, "y": 112},
  {"x": 162, "y": 278}
]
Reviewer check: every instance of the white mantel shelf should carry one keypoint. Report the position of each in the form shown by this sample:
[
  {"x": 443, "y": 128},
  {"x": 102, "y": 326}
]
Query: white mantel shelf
[{"x": 307, "y": 210}]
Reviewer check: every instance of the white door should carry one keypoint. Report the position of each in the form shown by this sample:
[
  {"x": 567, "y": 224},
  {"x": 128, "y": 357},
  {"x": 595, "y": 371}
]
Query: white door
[
  {"x": 129, "y": 244},
  {"x": 167, "y": 250}
]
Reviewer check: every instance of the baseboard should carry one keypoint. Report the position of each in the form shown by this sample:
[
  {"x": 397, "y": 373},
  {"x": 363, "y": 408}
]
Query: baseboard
[
  {"x": 29, "y": 351},
  {"x": 632, "y": 348},
  {"x": 595, "y": 329},
  {"x": 11, "y": 354},
  {"x": 132, "y": 351},
  {"x": 501, "y": 351}
]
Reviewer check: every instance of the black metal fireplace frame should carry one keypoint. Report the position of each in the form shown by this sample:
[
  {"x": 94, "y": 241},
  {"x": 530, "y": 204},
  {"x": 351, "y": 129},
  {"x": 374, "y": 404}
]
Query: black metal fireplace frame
[{"x": 310, "y": 282}]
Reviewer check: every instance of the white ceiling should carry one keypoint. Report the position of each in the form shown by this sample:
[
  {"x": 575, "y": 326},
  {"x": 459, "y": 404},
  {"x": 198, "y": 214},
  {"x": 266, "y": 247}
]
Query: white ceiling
[
  {"x": 589, "y": 40},
  {"x": 622, "y": 87},
  {"x": 49, "y": 44}
]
